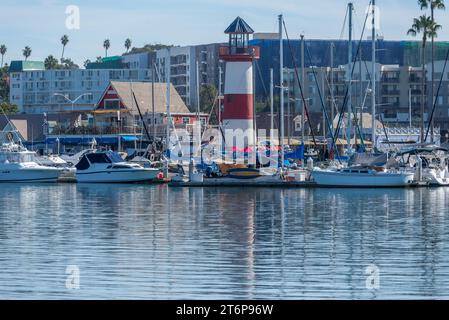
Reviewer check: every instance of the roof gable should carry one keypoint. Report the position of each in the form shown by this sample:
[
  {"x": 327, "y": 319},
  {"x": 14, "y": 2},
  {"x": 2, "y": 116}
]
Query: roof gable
[{"x": 143, "y": 93}]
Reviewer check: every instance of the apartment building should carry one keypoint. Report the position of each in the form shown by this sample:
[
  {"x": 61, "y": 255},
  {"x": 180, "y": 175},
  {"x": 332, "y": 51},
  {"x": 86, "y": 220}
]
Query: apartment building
[
  {"x": 398, "y": 93},
  {"x": 36, "y": 90},
  {"x": 183, "y": 69}
]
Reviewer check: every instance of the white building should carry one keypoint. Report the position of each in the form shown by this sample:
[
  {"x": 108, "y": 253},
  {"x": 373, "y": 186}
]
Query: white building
[
  {"x": 182, "y": 72},
  {"x": 38, "y": 91}
]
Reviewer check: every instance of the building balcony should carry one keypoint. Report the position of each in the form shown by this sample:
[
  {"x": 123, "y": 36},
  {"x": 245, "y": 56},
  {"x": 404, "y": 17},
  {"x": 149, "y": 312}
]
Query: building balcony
[
  {"x": 390, "y": 80},
  {"x": 391, "y": 92},
  {"x": 415, "y": 79},
  {"x": 230, "y": 52}
]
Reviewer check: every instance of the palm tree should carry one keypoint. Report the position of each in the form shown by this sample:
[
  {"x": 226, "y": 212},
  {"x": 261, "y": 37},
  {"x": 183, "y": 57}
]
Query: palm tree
[
  {"x": 51, "y": 62},
  {"x": 26, "y": 52},
  {"x": 64, "y": 41},
  {"x": 128, "y": 44},
  {"x": 428, "y": 28},
  {"x": 106, "y": 46},
  {"x": 434, "y": 5},
  {"x": 3, "y": 50}
]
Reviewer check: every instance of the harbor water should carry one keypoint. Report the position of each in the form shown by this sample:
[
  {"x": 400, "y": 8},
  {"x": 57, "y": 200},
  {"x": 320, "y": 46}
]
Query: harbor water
[{"x": 156, "y": 242}]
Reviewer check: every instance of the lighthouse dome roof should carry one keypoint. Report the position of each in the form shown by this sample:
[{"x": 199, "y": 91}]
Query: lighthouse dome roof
[{"x": 239, "y": 26}]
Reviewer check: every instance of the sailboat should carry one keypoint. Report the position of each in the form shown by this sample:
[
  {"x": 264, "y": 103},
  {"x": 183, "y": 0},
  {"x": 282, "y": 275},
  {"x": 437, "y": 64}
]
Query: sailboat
[{"x": 362, "y": 176}]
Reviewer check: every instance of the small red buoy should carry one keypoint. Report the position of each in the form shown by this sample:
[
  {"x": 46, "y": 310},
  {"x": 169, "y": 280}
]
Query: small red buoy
[{"x": 160, "y": 175}]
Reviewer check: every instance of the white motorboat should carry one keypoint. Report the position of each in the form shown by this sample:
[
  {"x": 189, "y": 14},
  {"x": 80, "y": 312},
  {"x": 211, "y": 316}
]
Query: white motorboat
[
  {"x": 362, "y": 177},
  {"x": 68, "y": 170},
  {"x": 73, "y": 159},
  {"x": 109, "y": 167},
  {"x": 17, "y": 164}
]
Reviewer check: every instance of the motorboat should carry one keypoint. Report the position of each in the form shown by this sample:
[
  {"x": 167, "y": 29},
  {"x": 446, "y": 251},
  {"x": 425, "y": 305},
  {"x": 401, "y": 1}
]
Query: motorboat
[
  {"x": 109, "y": 167},
  {"x": 360, "y": 176},
  {"x": 18, "y": 164},
  {"x": 68, "y": 173},
  {"x": 73, "y": 159}
]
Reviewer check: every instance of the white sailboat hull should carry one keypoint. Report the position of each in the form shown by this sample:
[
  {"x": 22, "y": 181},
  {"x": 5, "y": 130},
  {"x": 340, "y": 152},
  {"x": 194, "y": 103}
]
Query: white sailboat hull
[
  {"x": 22, "y": 174},
  {"x": 436, "y": 177},
  {"x": 117, "y": 176},
  {"x": 371, "y": 179}
]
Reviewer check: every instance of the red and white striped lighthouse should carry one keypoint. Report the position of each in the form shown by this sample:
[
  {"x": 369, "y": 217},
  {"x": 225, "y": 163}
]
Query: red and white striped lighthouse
[{"x": 238, "y": 91}]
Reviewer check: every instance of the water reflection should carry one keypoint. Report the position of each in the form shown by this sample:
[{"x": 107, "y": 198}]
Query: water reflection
[{"x": 133, "y": 241}]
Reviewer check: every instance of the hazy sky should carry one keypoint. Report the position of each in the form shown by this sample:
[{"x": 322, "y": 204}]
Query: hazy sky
[{"x": 41, "y": 23}]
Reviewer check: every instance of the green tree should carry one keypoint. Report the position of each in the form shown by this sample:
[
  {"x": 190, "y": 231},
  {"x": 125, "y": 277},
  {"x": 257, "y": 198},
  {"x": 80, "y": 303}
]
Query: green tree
[
  {"x": 425, "y": 26},
  {"x": 150, "y": 48},
  {"x": 51, "y": 63},
  {"x": 69, "y": 64},
  {"x": 208, "y": 95},
  {"x": 128, "y": 44},
  {"x": 86, "y": 63},
  {"x": 106, "y": 46},
  {"x": 9, "y": 108},
  {"x": 64, "y": 41},
  {"x": 26, "y": 52},
  {"x": 4, "y": 83},
  {"x": 3, "y": 50}
]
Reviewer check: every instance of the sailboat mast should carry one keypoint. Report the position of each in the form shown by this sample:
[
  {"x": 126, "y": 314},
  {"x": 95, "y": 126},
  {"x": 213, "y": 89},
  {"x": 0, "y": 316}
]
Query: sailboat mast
[
  {"x": 349, "y": 77},
  {"x": 167, "y": 76},
  {"x": 373, "y": 75},
  {"x": 198, "y": 121},
  {"x": 271, "y": 100},
  {"x": 303, "y": 77},
  {"x": 281, "y": 74},
  {"x": 332, "y": 86}
]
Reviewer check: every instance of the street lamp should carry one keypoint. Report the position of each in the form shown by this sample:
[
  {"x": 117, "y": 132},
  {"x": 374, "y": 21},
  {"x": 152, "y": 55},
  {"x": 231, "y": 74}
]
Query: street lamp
[{"x": 72, "y": 101}]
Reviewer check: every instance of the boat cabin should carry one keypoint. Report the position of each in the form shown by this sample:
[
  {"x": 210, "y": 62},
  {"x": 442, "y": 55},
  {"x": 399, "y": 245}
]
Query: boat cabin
[{"x": 89, "y": 159}]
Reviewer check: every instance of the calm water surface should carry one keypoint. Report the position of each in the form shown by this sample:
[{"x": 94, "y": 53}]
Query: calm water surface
[{"x": 153, "y": 242}]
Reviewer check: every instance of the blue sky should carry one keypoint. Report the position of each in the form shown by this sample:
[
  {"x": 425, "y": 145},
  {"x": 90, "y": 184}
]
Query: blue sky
[{"x": 41, "y": 23}]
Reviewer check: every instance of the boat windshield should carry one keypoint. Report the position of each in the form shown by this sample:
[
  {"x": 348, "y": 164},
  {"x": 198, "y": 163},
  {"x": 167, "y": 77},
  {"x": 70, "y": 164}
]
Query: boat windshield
[
  {"x": 13, "y": 157},
  {"x": 115, "y": 157},
  {"x": 98, "y": 158}
]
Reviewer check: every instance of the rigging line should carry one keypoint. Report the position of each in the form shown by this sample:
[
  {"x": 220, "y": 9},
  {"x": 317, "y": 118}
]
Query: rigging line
[
  {"x": 300, "y": 86},
  {"x": 321, "y": 100},
  {"x": 259, "y": 72},
  {"x": 345, "y": 100},
  {"x": 437, "y": 94}
]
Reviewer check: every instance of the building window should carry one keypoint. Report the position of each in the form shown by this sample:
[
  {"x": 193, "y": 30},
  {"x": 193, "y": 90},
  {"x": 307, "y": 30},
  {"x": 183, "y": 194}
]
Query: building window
[
  {"x": 112, "y": 104},
  {"x": 185, "y": 120}
]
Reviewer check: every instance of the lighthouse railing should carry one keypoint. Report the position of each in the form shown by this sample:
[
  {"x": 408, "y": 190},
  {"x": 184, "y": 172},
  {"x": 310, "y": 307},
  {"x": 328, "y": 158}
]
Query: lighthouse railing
[{"x": 250, "y": 51}]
